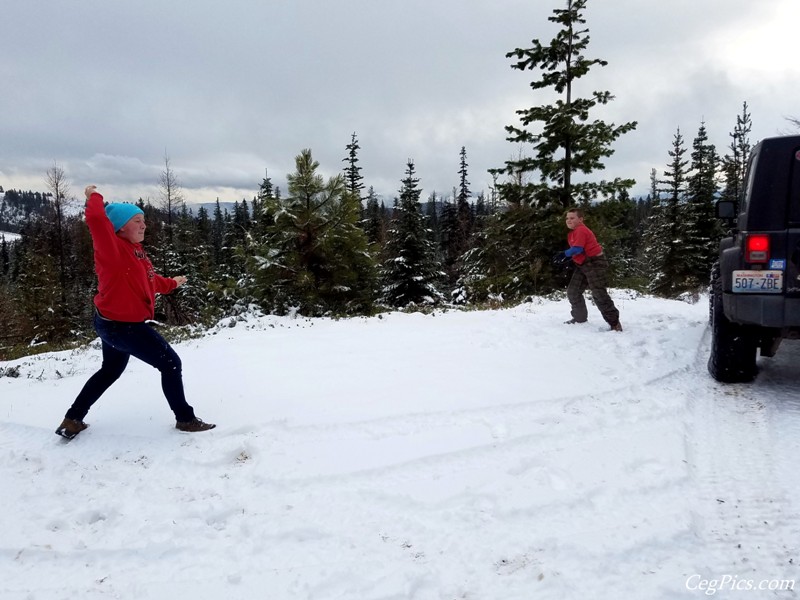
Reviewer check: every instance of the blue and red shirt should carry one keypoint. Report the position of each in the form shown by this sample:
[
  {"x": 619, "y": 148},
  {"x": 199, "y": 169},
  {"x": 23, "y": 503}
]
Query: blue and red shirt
[{"x": 583, "y": 237}]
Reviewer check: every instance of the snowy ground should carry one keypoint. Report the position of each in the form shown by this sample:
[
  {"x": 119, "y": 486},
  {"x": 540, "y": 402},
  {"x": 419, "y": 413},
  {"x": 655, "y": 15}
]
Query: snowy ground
[
  {"x": 492, "y": 455},
  {"x": 10, "y": 237}
]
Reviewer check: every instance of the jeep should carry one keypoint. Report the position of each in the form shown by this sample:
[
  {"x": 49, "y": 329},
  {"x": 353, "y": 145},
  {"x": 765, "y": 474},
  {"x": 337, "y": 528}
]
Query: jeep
[{"x": 755, "y": 284}]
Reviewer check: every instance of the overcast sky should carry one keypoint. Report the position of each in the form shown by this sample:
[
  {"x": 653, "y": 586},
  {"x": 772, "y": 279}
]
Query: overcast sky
[{"x": 107, "y": 89}]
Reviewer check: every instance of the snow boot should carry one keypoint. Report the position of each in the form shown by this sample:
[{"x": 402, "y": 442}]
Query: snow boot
[
  {"x": 69, "y": 428},
  {"x": 193, "y": 426}
]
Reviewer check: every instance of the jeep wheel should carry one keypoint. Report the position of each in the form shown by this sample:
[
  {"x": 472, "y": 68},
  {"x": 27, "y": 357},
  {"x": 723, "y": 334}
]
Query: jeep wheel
[{"x": 733, "y": 346}]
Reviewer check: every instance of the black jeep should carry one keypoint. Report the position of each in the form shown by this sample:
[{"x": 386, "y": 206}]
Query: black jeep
[{"x": 755, "y": 285}]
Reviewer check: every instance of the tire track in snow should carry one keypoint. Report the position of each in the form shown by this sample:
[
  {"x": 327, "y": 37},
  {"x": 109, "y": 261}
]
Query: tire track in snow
[{"x": 747, "y": 519}]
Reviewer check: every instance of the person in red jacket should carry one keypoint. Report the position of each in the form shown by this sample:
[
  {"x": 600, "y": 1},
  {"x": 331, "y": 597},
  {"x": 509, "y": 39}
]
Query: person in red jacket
[
  {"x": 591, "y": 268},
  {"x": 127, "y": 286}
]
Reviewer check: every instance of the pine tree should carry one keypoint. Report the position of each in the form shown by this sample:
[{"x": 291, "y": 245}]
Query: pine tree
[
  {"x": 432, "y": 214},
  {"x": 734, "y": 164},
  {"x": 374, "y": 221},
  {"x": 409, "y": 274},
  {"x": 5, "y": 257},
  {"x": 703, "y": 228},
  {"x": 568, "y": 142},
  {"x": 352, "y": 173},
  {"x": 664, "y": 253},
  {"x": 465, "y": 218},
  {"x": 315, "y": 255},
  {"x": 266, "y": 192},
  {"x": 217, "y": 233},
  {"x": 613, "y": 221}
]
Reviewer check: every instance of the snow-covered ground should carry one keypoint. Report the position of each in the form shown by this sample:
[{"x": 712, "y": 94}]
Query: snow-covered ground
[
  {"x": 9, "y": 236},
  {"x": 497, "y": 455}
]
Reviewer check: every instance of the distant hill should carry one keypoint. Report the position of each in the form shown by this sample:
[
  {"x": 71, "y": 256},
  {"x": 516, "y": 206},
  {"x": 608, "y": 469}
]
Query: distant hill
[{"x": 16, "y": 207}]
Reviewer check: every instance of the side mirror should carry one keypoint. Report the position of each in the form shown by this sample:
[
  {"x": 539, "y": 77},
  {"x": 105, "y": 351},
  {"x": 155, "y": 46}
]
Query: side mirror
[{"x": 726, "y": 209}]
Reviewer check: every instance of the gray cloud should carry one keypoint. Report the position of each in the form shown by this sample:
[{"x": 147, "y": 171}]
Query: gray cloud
[{"x": 229, "y": 90}]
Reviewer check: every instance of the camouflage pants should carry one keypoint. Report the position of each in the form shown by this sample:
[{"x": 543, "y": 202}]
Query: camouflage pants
[{"x": 592, "y": 274}]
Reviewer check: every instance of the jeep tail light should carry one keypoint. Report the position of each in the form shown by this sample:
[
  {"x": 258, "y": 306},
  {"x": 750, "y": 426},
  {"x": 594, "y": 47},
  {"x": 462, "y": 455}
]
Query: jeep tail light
[{"x": 756, "y": 248}]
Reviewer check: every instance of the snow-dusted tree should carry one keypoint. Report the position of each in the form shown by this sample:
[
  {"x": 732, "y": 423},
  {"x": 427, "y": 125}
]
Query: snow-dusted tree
[
  {"x": 433, "y": 210},
  {"x": 314, "y": 256},
  {"x": 189, "y": 258},
  {"x": 410, "y": 274},
  {"x": 664, "y": 250},
  {"x": 217, "y": 233},
  {"x": 702, "y": 227}
]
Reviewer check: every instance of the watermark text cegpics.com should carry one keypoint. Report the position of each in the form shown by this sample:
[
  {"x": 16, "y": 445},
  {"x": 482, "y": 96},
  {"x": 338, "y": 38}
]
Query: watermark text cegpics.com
[{"x": 698, "y": 583}]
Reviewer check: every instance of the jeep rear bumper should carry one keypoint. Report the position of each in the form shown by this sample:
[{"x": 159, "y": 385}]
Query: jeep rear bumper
[{"x": 760, "y": 309}]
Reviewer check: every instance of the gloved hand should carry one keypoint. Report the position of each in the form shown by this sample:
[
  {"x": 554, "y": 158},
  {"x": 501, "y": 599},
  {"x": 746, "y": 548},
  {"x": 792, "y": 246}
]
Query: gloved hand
[{"x": 560, "y": 259}]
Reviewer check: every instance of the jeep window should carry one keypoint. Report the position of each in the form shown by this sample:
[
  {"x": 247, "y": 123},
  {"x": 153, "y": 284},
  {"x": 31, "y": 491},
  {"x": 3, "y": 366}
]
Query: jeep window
[
  {"x": 794, "y": 192},
  {"x": 751, "y": 176}
]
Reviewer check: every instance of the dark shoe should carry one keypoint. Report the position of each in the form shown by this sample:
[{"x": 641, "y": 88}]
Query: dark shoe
[
  {"x": 616, "y": 326},
  {"x": 69, "y": 428},
  {"x": 193, "y": 426},
  {"x": 573, "y": 322}
]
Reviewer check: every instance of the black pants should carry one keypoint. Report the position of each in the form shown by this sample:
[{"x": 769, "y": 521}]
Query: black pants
[
  {"x": 120, "y": 342},
  {"x": 592, "y": 274}
]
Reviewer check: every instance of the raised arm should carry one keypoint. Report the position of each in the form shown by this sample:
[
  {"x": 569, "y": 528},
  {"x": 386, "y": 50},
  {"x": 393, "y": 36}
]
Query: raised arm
[{"x": 106, "y": 253}]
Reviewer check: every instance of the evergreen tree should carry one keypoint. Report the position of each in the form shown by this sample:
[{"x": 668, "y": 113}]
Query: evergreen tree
[
  {"x": 315, "y": 255},
  {"x": 5, "y": 257},
  {"x": 465, "y": 217},
  {"x": 568, "y": 141},
  {"x": 664, "y": 253},
  {"x": 432, "y": 213},
  {"x": 507, "y": 262},
  {"x": 409, "y": 274},
  {"x": 37, "y": 296},
  {"x": 449, "y": 235},
  {"x": 352, "y": 173},
  {"x": 266, "y": 192},
  {"x": 734, "y": 164},
  {"x": 187, "y": 258},
  {"x": 217, "y": 233},
  {"x": 703, "y": 229},
  {"x": 374, "y": 221}
]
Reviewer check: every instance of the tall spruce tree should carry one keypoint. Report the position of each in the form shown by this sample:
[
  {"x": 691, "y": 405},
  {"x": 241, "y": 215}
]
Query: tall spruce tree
[
  {"x": 410, "y": 274},
  {"x": 665, "y": 253},
  {"x": 465, "y": 215},
  {"x": 703, "y": 229},
  {"x": 352, "y": 172},
  {"x": 565, "y": 140},
  {"x": 734, "y": 164}
]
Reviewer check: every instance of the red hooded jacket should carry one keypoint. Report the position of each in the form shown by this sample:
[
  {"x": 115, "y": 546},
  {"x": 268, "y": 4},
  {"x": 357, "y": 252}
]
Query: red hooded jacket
[{"x": 126, "y": 282}]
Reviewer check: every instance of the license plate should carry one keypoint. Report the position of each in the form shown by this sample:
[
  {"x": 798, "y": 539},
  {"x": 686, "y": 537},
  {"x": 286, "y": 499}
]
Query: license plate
[{"x": 760, "y": 282}]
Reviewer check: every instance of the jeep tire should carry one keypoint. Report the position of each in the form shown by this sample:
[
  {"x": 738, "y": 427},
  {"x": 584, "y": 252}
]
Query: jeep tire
[{"x": 733, "y": 346}]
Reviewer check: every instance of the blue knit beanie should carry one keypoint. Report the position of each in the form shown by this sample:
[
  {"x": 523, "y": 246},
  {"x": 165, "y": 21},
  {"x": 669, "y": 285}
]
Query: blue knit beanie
[{"x": 119, "y": 214}]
